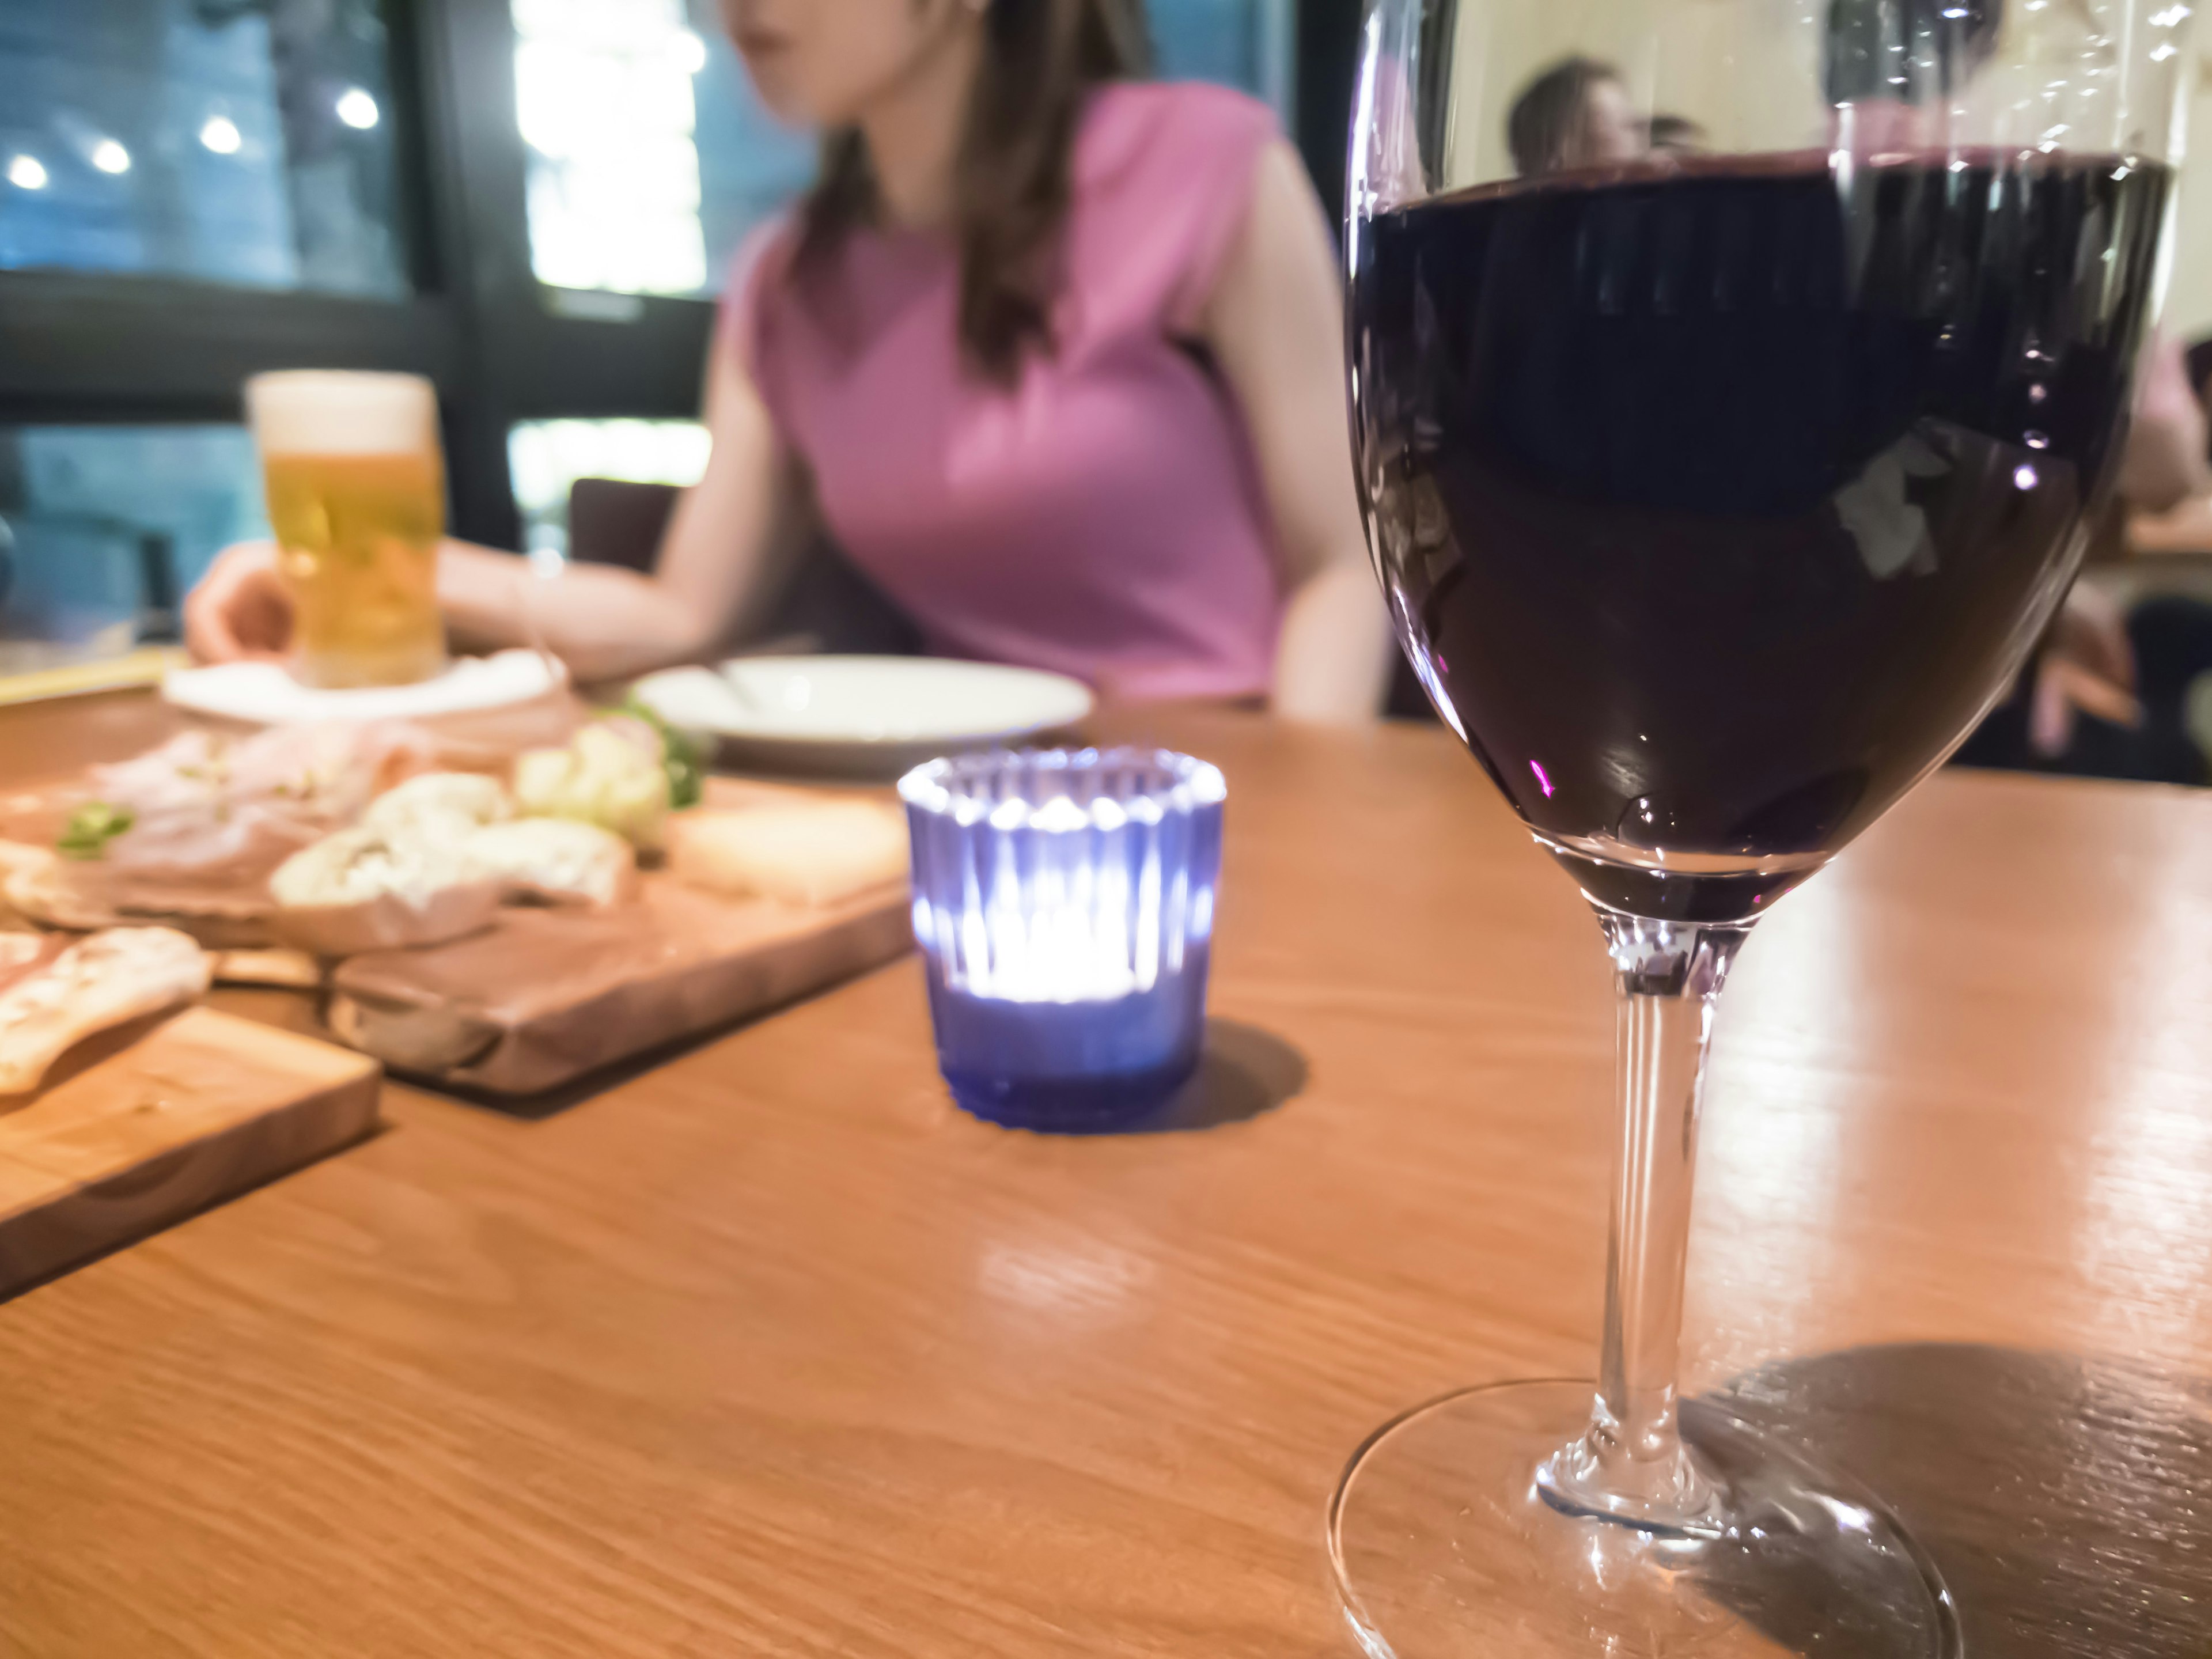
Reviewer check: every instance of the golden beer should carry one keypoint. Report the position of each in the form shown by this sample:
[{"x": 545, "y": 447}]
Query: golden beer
[{"x": 357, "y": 491}]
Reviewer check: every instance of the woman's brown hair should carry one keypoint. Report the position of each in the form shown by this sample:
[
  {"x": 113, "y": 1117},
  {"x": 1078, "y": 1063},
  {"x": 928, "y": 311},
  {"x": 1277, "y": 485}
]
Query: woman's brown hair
[
  {"x": 1550, "y": 120},
  {"x": 1042, "y": 60}
]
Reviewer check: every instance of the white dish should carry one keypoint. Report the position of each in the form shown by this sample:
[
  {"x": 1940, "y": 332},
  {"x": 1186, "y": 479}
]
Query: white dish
[
  {"x": 861, "y": 714},
  {"x": 264, "y": 693}
]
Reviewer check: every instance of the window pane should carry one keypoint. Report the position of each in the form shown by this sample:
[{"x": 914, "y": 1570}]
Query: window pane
[
  {"x": 232, "y": 142},
  {"x": 1243, "y": 43},
  {"x": 101, "y": 528},
  {"x": 649, "y": 157},
  {"x": 547, "y": 457},
  {"x": 749, "y": 167}
]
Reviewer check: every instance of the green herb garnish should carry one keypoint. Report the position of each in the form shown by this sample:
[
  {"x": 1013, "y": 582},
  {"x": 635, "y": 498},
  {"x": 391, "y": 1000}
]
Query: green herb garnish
[
  {"x": 91, "y": 827},
  {"x": 682, "y": 756}
]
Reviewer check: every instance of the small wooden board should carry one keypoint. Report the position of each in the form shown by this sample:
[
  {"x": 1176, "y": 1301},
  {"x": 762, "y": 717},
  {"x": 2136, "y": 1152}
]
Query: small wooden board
[{"x": 138, "y": 1130}]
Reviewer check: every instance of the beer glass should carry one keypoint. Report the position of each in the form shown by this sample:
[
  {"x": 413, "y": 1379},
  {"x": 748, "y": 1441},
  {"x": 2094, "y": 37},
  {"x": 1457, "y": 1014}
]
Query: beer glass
[{"x": 356, "y": 489}]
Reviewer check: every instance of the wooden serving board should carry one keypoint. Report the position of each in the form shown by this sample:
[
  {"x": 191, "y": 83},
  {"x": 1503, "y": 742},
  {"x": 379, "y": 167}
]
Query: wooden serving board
[
  {"x": 142, "y": 1127},
  {"x": 545, "y": 996}
]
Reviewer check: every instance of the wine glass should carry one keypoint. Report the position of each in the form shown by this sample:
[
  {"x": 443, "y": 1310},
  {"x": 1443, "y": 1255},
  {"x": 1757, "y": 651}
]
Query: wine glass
[{"x": 1735, "y": 382}]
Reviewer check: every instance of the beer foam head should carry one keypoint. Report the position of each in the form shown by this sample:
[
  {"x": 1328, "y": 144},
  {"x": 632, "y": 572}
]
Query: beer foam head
[{"x": 314, "y": 411}]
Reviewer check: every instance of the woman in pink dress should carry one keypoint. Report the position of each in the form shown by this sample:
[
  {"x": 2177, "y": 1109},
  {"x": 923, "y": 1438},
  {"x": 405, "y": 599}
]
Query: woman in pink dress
[{"x": 1053, "y": 352}]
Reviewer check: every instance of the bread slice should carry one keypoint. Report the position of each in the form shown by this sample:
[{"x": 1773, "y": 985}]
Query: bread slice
[
  {"x": 809, "y": 852},
  {"x": 97, "y": 983},
  {"x": 554, "y": 860},
  {"x": 23, "y": 954},
  {"x": 439, "y": 803},
  {"x": 361, "y": 889}
]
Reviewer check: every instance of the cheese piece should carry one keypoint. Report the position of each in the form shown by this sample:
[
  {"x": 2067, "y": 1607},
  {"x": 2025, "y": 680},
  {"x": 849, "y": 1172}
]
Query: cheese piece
[
  {"x": 811, "y": 853},
  {"x": 555, "y": 860},
  {"x": 98, "y": 983}
]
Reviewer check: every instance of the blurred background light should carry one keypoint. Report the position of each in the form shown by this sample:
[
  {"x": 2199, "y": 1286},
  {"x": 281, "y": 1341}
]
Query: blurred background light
[{"x": 357, "y": 109}]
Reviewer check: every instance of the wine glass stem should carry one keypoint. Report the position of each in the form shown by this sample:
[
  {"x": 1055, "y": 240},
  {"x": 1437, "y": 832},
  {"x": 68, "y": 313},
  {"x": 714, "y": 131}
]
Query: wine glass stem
[{"x": 1630, "y": 1464}]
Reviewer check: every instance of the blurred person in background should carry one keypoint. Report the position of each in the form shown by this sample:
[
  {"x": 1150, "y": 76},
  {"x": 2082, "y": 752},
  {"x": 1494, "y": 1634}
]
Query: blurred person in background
[
  {"x": 1574, "y": 114},
  {"x": 2113, "y": 693},
  {"x": 2104, "y": 692},
  {"x": 1675, "y": 134},
  {"x": 1053, "y": 352}
]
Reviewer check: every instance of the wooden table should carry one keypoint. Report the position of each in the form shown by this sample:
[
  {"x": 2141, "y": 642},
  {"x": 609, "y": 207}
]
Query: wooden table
[{"x": 768, "y": 1350}]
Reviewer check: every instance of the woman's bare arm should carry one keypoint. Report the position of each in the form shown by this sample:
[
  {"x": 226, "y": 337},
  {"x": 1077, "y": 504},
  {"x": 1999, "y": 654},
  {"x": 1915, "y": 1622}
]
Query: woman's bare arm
[
  {"x": 723, "y": 548},
  {"x": 722, "y": 555},
  {"x": 1275, "y": 324},
  {"x": 2164, "y": 462}
]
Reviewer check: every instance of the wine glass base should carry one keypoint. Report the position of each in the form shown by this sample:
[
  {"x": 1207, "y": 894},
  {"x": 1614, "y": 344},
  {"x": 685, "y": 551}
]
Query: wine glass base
[{"x": 1444, "y": 1548}]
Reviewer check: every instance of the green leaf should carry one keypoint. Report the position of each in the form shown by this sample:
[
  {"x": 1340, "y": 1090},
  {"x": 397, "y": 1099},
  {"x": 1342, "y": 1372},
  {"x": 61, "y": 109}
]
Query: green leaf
[
  {"x": 90, "y": 828},
  {"x": 682, "y": 756}
]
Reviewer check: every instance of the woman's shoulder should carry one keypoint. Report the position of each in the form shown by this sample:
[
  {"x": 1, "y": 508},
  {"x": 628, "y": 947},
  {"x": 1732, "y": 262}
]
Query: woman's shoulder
[
  {"x": 1153, "y": 132},
  {"x": 1164, "y": 175},
  {"x": 751, "y": 294},
  {"x": 764, "y": 253}
]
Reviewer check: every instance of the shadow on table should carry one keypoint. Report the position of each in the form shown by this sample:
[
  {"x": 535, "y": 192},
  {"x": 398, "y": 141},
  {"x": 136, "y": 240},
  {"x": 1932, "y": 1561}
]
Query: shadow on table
[
  {"x": 1243, "y": 1072},
  {"x": 2066, "y": 1502}
]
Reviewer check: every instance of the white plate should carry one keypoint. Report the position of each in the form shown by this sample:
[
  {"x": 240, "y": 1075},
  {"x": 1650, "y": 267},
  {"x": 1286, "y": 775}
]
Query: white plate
[
  {"x": 264, "y": 694},
  {"x": 861, "y": 714}
]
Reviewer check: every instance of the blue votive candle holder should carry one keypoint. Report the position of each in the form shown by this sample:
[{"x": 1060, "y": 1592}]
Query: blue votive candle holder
[{"x": 1063, "y": 900}]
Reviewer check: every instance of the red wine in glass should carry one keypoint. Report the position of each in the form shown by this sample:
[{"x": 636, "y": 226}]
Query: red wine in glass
[{"x": 1716, "y": 504}]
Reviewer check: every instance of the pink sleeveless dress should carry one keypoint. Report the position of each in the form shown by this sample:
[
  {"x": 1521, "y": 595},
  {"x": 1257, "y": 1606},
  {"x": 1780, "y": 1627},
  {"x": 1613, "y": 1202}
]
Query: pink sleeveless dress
[{"x": 1103, "y": 517}]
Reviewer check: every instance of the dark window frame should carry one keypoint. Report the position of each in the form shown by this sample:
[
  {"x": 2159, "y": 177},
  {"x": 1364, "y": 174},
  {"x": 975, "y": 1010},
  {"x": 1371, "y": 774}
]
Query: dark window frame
[
  {"x": 501, "y": 346},
  {"x": 92, "y": 348}
]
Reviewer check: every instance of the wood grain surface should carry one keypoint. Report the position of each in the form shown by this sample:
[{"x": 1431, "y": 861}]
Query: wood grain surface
[
  {"x": 143, "y": 1126},
  {"x": 768, "y": 1350}
]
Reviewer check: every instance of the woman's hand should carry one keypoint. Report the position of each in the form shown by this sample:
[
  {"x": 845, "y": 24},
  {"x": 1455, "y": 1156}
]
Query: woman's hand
[
  {"x": 239, "y": 609},
  {"x": 2086, "y": 665}
]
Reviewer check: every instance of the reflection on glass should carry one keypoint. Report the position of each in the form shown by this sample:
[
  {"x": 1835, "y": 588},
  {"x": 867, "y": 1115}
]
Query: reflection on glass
[
  {"x": 546, "y": 457},
  {"x": 102, "y": 528},
  {"x": 217, "y": 141}
]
